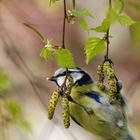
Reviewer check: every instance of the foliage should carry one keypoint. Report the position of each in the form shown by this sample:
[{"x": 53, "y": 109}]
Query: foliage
[
  {"x": 114, "y": 14},
  {"x": 45, "y": 53},
  {"x": 125, "y": 20},
  {"x": 83, "y": 24},
  {"x": 10, "y": 111},
  {"x": 52, "y": 1},
  {"x": 48, "y": 50},
  {"x": 64, "y": 58},
  {"x": 118, "y": 6},
  {"x": 107, "y": 21},
  {"x": 93, "y": 46},
  {"x": 4, "y": 83},
  {"x": 135, "y": 33},
  {"x": 111, "y": 17},
  {"x": 79, "y": 14},
  {"x": 16, "y": 115},
  {"x": 134, "y": 7}
]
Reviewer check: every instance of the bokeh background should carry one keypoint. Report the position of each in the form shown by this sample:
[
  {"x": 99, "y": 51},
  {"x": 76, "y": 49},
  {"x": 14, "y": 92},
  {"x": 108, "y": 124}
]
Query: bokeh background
[{"x": 20, "y": 60}]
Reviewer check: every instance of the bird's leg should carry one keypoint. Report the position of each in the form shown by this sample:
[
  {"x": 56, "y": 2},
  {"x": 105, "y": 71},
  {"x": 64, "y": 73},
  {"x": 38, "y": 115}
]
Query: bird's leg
[{"x": 87, "y": 109}]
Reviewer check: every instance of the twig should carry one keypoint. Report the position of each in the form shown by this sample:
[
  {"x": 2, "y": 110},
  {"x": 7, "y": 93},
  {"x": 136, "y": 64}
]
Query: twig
[
  {"x": 64, "y": 25},
  {"x": 107, "y": 37},
  {"x": 63, "y": 35},
  {"x": 73, "y": 4},
  {"x": 42, "y": 38}
]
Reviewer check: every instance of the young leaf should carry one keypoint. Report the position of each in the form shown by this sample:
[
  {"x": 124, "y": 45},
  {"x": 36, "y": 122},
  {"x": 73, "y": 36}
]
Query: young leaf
[
  {"x": 119, "y": 6},
  {"x": 125, "y": 20},
  {"x": 4, "y": 83},
  {"x": 48, "y": 50},
  {"x": 24, "y": 125},
  {"x": 52, "y": 1},
  {"x": 111, "y": 17},
  {"x": 135, "y": 34},
  {"x": 93, "y": 47},
  {"x": 83, "y": 24},
  {"x": 14, "y": 109},
  {"x": 16, "y": 115},
  {"x": 103, "y": 27},
  {"x": 81, "y": 13},
  {"x": 64, "y": 58},
  {"x": 46, "y": 53}
]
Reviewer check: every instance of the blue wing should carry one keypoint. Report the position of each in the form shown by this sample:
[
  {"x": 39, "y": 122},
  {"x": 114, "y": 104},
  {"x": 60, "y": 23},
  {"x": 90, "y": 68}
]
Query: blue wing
[{"x": 94, "y": 95}]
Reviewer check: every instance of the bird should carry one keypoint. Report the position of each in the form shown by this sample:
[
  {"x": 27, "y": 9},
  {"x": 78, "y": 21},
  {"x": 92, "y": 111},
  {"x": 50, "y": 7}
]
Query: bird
[{"x": 108, "y": 121}]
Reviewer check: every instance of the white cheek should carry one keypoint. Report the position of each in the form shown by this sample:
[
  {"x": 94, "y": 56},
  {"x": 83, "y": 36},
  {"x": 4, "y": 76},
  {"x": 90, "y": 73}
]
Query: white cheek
[
  {"x": 77, "y": 76},
  {"x": 60, "y": 80}
]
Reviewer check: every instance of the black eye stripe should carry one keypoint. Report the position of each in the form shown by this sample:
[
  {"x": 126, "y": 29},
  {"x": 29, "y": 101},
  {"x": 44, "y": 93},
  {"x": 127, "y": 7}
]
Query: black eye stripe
[{"x": 64, "y": 73}]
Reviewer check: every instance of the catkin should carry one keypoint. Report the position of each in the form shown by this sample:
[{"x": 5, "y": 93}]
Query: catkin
[
  {"x": 100, "y": 73},
  {"x": 111, "y": 80},
  {"x": 53, "y": 102},
  {"x": 65, "y": 112},
  {"x": 65, "y": 102},
  {"x": 101, "y": 77},
  {"x": 70, "y": 82}
]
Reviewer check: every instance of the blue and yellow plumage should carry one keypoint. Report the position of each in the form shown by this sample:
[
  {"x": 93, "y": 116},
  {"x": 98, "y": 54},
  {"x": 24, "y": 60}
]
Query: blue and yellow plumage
[{"x": 107, "y": 120}]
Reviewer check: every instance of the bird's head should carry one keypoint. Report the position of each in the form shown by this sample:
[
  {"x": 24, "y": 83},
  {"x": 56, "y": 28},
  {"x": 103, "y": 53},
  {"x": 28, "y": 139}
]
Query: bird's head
[{"x": 79, "y": 76}]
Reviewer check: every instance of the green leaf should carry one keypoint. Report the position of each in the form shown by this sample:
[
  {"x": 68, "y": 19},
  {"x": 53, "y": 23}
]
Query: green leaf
[
  {"x": 16, "y": 115},
  {"x": 81, "y": 13},
  {"x": 125, "y": 20},
  {"x": 93, "y": 47},
  {"x": 46, "y": 53},
  {"x": 52, "y": 1},
  {"x": 4, "y": 83},
  {"x": 118, "y": 6},
  {"x": 103, "y": 27},
  {"x": 107, "y": 21},
  {"x": 135, "y": 34},
  {"x": 83, "y": 24},
  {"x": 64, "y": 58},
  {"x": 24, "y": 125},
  {"x": 14, "y": 109}
]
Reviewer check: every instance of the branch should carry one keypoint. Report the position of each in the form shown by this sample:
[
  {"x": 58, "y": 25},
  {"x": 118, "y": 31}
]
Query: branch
[
  {"x": 107, "y": 37},
  {"x": 64, "y": 25}
]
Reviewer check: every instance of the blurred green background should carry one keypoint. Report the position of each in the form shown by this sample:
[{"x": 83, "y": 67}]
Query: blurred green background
[{"x": 27, "y": 91}]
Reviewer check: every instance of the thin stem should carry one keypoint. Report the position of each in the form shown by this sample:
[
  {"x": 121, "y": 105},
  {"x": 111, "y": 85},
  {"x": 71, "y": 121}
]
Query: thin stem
[
  {"x": 110, "y": 3},
  {"x": 63, "y": 37},
  {"x": 64, "y": 25},
  {"x": 73, "y": 4},
  {"x": 42, "y": 38},
  {"x": 107, "y": 43},
  {"x": 107, "y": 37}
]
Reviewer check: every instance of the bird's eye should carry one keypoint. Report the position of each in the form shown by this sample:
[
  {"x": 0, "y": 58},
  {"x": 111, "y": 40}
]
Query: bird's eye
[{"x": 60, "y": 74}]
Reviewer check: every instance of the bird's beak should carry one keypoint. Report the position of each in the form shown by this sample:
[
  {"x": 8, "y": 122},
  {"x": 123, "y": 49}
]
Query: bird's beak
[{"x": 51, "y": 78}]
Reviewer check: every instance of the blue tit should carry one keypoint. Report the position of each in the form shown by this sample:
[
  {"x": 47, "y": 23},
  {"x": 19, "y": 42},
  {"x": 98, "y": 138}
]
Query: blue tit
[{"x": 109, "y": 121}]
